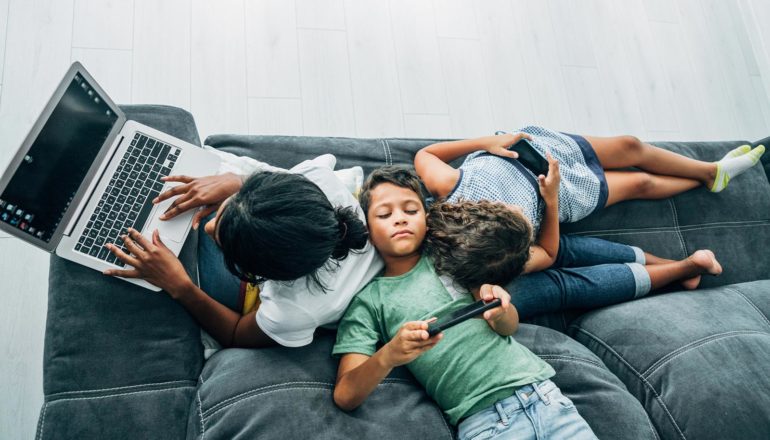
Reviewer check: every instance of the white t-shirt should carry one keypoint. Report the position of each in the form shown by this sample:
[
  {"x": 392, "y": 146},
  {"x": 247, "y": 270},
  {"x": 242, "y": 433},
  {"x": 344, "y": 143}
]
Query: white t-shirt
[{"x": 290, "y": 312}]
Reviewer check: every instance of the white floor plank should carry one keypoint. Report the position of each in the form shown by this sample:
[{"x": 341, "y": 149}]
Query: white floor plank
[
  {"x": 373, "y": 73},
  {"x": 720, "y": 18},
  {"x": 661, "y": 10},
  {"x": 272, "y": 58},
  {"x": 111, "y": 69},
  {"x": 755, "y": 15},
  {"x": 44, "y": 29},
  {"x": 321, "y": 14},
  {"x": 543, "y": 66},
  {"x": 22, "y": 328},
  {"x": 103, "y": 24},
  {"x": 584, "y": 91},
  {"x": 455, "y": 19},
  {"x": 275, "y": 116},
  {"x": 466, "y": 88},
  {"x": 4, "y": 6},
  {"x": 570, "y": 19},
  {"x": 327, "y": 100},
  {"x": 428, "y": 126},
  {"x": 218, "y": 75},
  {"x": 161, "y": 73},
  {"x": 649, "y": 77},
  {"x": 708, "y": 80},
  {"x": 687, "y": 97},
  {"x": 763, "y": 97},
  {"x": 618, "y": 92},
  {"x": 509, "y": 94},
  {"x": 417, "y": 57}
]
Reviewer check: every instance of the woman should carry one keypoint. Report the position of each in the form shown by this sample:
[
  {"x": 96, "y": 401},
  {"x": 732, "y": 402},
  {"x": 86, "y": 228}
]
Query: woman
[{"x": 300, "y": 232}]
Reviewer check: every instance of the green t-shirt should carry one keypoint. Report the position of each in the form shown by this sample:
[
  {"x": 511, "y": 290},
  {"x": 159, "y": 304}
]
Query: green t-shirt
[{"x": 470, "y": 369}]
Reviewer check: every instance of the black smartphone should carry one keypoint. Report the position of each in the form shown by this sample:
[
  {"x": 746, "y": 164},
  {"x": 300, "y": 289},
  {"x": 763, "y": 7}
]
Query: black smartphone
[
  {"x": 530, "y": 158},
  {"x": 461, "y": 315}
]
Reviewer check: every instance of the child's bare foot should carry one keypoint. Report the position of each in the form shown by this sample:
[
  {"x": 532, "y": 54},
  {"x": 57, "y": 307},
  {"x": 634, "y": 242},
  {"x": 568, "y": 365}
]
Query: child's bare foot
[
  {"x": 691, "y": 283},
  {"x": 707, "y": 261}
]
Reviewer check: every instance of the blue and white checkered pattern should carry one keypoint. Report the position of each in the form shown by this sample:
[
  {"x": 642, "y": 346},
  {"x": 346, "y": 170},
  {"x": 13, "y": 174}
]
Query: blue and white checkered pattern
[{"x": 486, "y": 177}]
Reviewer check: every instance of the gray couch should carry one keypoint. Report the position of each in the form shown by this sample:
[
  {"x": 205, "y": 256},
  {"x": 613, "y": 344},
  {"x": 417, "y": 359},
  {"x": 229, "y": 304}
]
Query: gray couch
[{"x": 123, "y": 362}]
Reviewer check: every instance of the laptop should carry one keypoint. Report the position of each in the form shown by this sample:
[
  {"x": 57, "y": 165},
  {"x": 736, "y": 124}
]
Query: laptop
[{"x": 85, "y": 174}]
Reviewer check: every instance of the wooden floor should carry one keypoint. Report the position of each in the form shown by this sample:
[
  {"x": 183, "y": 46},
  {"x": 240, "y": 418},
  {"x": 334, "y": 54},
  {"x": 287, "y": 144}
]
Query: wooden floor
[{"x": 658, "y": 69}]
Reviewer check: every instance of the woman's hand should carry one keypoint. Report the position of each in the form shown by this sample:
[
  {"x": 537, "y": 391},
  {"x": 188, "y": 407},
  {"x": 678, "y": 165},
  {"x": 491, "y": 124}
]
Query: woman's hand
[
  {"x": 153, "y": 262},
  {"x": 549, "y": 185},
  {"x": 410, "y": 342},
  {"x": 208, "y": 191},
  {"x": 506, "y": 140}
]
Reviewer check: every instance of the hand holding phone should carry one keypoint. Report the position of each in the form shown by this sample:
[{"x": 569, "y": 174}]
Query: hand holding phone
[
  {"x": 460, "y": 315},
  {"x": 530, "y": 158}
]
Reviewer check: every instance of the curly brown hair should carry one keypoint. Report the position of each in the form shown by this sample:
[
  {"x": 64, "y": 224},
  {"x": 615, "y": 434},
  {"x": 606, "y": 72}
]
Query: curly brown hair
[{"x": 477, "y": 243}]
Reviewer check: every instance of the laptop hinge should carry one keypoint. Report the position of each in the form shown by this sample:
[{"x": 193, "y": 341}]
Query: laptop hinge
[{"x": 95, "y": 181}]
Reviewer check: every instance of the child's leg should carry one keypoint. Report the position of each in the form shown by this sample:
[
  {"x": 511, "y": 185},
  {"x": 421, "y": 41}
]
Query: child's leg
[
  {"x": 632, "y": 185},
  {"x": 700, "y": 262},
  {"x": 580, "y": 251},
  {"x": 629, "y": 151}
]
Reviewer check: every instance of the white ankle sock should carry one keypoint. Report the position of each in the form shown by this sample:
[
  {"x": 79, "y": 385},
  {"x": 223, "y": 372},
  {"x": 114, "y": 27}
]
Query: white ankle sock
[{"x": 729, "y": 167}]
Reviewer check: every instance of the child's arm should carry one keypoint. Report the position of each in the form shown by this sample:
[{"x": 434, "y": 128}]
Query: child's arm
[
  {"x": 504, "y": 320},
  {"x": 543, "y": 252},
  {"x": 359, "y": 374},
  {"x": 432, "y": 162}
]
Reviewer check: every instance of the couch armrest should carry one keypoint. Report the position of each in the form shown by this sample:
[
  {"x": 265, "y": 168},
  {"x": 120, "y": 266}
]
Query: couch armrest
[{"x": 119, "y": 359}]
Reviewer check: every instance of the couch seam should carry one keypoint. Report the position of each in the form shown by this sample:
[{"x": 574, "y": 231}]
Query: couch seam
[
  {"x": 389, "y": 152},
  {"x": 42, "y": 422},
  {"x": 98, "y": 390},
  {"x": 574, "y": 359},
  {"x": 209, "y": 413},
  {"x": 753, "y": 223},
  {"x": 200, "y": 414},
  {"x": 751, "y": 303},
  {"x": 384, "y": 150},
  {"x": 327, "y": 386},
  {"x": 692, "y": 346},
  {"x": 115, "y": 395},
  {"x": 636, "y": 373},
  {"x": 676, "y": 226},
  {"x": 283, "y": 384}
]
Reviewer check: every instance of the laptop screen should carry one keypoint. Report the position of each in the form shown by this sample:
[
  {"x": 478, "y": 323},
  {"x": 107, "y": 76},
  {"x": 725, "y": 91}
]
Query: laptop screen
[{"x": 45, "y": 183}]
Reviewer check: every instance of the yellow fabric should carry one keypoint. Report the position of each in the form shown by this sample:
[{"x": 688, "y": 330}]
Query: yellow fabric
[{"x": 251, "y": 299}]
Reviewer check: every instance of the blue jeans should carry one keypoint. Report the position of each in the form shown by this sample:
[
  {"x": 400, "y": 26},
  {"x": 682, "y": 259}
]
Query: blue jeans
[
  {"x": 536, "y": 411},
  {"x": 215, "y": 279},
  {"x": 588, "y": 273}
]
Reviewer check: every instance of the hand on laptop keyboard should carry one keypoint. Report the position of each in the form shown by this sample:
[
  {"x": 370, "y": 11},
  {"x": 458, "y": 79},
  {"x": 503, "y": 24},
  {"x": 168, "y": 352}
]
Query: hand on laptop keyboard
[
  {"x": 208, "y": 191},
  {"x": 152, "y": 261}
]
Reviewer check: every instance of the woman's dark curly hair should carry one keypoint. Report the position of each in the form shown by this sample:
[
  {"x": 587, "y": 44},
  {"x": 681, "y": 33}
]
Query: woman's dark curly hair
[
  {"x": 281, "y": 226},
  {"x": 477, "y": 243}
]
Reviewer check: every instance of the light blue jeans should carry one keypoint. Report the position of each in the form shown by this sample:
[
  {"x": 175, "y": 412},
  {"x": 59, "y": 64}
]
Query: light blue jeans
[{"x": 537, "y": 411}]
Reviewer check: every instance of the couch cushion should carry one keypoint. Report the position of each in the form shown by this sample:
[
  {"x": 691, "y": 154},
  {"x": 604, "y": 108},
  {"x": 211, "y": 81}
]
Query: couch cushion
[
  {"x": 245, "y": 392},
  {"x": 111, "y": 346},
  {"x": 707, "y": 349}
]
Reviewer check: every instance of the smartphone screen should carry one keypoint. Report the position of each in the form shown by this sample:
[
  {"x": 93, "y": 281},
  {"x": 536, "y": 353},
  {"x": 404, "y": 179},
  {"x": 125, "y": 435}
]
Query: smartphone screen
[{"x": 461, "y": 315}]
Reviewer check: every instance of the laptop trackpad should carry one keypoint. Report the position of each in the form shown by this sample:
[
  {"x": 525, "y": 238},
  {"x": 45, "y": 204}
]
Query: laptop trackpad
[{"x": 173, "y": 229}]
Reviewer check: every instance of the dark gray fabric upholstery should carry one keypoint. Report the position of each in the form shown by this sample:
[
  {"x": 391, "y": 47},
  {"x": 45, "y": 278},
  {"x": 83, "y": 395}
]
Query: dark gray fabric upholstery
[
  {"x": 123, "y": 362},
  {"x": 119, "y": 360},
  {"x": 697, "y": 361}
]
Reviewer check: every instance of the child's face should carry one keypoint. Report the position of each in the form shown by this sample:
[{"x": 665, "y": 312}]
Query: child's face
[
  {"x": 396, "y": 220},
  {"x": 211, "y": 227}
]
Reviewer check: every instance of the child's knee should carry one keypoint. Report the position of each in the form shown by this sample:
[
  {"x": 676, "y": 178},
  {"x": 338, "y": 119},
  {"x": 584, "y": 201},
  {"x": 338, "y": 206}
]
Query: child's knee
[
  {"x": 633, "y": 145},
  {"x": 644, "y": 185}
]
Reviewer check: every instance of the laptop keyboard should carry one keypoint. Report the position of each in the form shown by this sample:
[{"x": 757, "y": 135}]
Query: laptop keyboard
[{"x": 127, "y": 200}]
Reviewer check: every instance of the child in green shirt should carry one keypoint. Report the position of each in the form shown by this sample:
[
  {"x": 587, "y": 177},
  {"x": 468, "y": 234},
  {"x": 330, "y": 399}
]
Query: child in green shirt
[{"x": 483, "y": 379}]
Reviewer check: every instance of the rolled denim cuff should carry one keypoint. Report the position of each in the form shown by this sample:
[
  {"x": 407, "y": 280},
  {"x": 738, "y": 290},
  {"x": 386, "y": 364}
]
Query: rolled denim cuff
[
  {"x": 639, "y": 255},
  {"x": 641, "y": 279}
]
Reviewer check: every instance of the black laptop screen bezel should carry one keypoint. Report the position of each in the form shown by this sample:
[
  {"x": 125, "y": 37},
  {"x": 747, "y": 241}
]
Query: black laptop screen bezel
[{"x": 75, "y": 69}]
